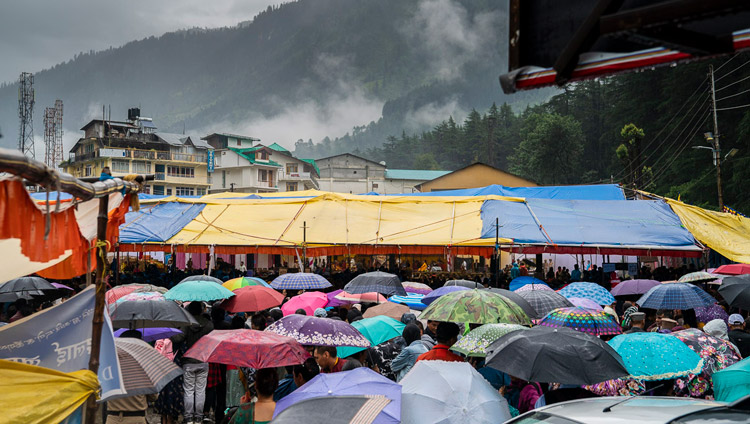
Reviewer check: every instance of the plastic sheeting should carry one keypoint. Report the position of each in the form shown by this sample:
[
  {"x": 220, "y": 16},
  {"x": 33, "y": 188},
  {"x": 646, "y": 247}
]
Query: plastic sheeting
[
  {"x": 33, "y": 394},
  {"x": 640, "y": 223},
  {"x": 723, "y": 232},
  {"x": 579, "y": 192},
  {"x": 158, "y": 223}
]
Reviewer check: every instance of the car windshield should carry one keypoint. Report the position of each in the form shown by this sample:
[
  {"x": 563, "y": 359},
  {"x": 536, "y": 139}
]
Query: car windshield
[{"x": 542, "y": 417}]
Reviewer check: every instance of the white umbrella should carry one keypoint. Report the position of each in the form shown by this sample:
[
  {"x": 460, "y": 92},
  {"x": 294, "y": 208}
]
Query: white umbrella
[{"x": 450, "y": 392}]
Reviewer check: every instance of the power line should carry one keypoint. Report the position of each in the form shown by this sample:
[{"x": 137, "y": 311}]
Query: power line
[
  {"x": 727, "y": 62},
  {"x": 733, "y": 70},
  {"x": 732, "y": 95},
  {"x": 733, "y": 107},
  {"x": 736, "y": 82},
  {"x": 688, "y": 139}
]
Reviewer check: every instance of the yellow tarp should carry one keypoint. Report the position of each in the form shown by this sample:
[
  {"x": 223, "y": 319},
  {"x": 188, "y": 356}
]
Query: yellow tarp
[
  {"x": 338, "y": 219},
  {"x": 30, "y": 394},
  {"x": 723, "y": 232}
]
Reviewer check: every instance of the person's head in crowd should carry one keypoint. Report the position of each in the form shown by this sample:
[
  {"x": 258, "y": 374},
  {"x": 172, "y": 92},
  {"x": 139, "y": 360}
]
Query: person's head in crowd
[
  {"x": 276, "y": 314},
  {"x": 432, "y": 326},
  {"x": 351, "y": 364},
  {"x": 661, "y": 314},
  {"x": 352, "y": 314},
  {"x": 258, "y": 322},
  {"x": 411, "y": 333},
  {"x": 300, "y": 311},
  {"x": 132, "y": 334},
  {"x": 668, "y": 324},
  {"x": 716, "y": 328},
  {"x": 266, "y": 382},
  {"x": 419, "y": 324},
  {"x": 637, "y": 320},
  {"x": 447, "y": 333},
  {"x": 217, "y": 313},
  {"x": 326, "y": 356},
  {"x": 195, "y": 308},
  {"x": 238, "y": 322},
  {"x": 408, "y": 317},
  {"x": 736, "y": 322},
  {"x": 320, "y": 313},
  {"x": 305, "y": 371}
]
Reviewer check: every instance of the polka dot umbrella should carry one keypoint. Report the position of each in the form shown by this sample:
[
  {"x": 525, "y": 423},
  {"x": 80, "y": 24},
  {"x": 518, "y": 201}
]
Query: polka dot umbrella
[{"x": 584, "y": 320}]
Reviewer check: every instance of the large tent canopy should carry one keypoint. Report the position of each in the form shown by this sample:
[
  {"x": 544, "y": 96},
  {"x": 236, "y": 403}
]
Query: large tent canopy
[{"x": 581, "y": 192}]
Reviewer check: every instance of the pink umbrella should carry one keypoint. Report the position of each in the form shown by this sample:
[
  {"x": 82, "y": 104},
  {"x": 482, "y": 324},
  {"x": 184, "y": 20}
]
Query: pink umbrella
[
  {"x": 585, "y": 303},
  {"x": 309, "y": 301},
  {"x": 332, "y": 301},
  {"x": 370, "y": 297}
]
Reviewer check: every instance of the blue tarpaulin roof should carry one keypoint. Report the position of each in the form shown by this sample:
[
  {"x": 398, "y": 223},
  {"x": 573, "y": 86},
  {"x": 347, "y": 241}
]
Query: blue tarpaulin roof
[
  {"x": 586, "y": 222},
  {"x": 158, "y": 223},
  {"x": 581, "y": 192}
]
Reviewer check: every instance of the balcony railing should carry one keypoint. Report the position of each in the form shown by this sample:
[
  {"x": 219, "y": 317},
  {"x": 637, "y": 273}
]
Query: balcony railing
[
  {"x": 159, "y": 176},
  {"x": 156, "y": 155}
]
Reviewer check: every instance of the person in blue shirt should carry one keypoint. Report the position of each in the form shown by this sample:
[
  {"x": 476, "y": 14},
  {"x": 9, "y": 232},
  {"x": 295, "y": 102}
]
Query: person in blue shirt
[
  {"x": 515, "y": 271},
  {"x": 575, "y": 275}
]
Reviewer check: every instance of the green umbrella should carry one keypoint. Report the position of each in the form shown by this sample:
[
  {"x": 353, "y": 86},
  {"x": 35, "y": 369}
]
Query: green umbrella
[
  {"x": 733, "y": 382},
  {"x": 475, "y": 307},
  {"x": 189, "y": 291},
  {"x": 476, "y": 341},
  {"x": 376, "y": 329}
]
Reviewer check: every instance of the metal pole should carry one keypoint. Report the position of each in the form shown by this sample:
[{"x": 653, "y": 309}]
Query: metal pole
[
  {"x": 715, "y": 141},
  {"x": 98, "y": 320},
  {"x": 304, "y": 246},
  {"x": 496, "y": 268}
]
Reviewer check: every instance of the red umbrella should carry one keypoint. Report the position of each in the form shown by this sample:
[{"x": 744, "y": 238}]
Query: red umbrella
[
  {"x": 733, "y": 269},
  {"x": 248, "y": 348},
  {"x": 252, "y": 299}
]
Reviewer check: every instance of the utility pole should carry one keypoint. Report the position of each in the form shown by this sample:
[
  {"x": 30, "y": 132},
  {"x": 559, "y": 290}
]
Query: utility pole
[
  {"x": 304, "y": 246},
  {"x": 714, "y": 140}
]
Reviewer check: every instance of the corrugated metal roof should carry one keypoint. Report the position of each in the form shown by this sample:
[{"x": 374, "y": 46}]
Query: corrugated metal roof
[
  {"x": 275, "y": 146},
  {"x": 147, "y": 124},
  {"x": 198, "y": 143},
  {"x": 172, "y": 139},
  {"x": 312, "y": 162},
  {"x": 251, "y": 158},
  {"x": 413, "y": 174}
]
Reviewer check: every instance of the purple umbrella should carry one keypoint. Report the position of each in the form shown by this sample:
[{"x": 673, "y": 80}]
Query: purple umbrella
[
  {"x": 708, "y": 313},
  {"x": 585, "y": 303},
  {"x": 633, "y": 287},
  {"x": 359, "y": 381},
  {"x": 314, "y": 331},
  {"x": 61, "y": 286},
  {"x": 332, "y": 301},
  {"x": 152, "y": 334},
  {"x": 433, "y": 296}
]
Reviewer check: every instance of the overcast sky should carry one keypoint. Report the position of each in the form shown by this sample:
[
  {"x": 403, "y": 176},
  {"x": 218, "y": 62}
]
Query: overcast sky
[{"x": 37, "y": 34}]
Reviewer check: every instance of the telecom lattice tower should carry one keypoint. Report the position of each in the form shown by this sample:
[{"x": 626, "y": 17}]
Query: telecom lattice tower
[
  {"x": 25, "y": 114},
  {"x": 53, "y": 149},
  {"x": 58, "y": 132}
]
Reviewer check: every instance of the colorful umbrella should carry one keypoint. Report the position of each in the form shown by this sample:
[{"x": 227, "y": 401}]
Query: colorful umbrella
[
  {"x": 732, "y": 383},
  {"x": 591, "y": 291},
  {"x": 656, "y": 356},
  {"x": 544, "y": 302},
  {"x": 450, "y": 392},
  {"x": 371, "y": 297},
  {"x": 585, "y": 303},
  {"x": 144, "y": 370},
  {"x": 309, "y": 301},
  {"x": 252, "y": 299},
  {"x": 117, "y": 292},
  {"x": 559, "y": 355},
  {"x": 349, "y": 410},
  {"x": 388, "y": 309},
  {"x": 475, "y": 343},
  {"x": 376, "y": 330},
  {"x": 428, "y": 299},
  {"x": 697, "y": 277},
  {"x": 413, "y": 301},
  {"x": 419, "y": 288},
  {"x": 631, "y": 287},
  {"x": 236, "y": 283},
  {"x": 314, "y": 331},
  {"x": 248, "y": 348},
  {"x": 333, "y": 302},
  {"x": 519, "y": 282},
  {"x": 380, "y": 282},
  {"x": 709, "y": 313},
  {"x": 583, "y": 320},
  {"x": 152, "y": 334},
  {"x": 359, "y": 381},
  {"x": 475, "y": 307},
  {"x": 203, "y": 291},
  {"x": 530, "y": 287},
  {"x": 736, "y": 291},
  {"x": 733, "y": 269},
  {"x": 202, "y": 278},
  {"x": 518, "y": 300},
  {"x": 717, "y": 354},
  {"x": 146, "y": 310},
  {"x": 463, "y": 283},
  {"x": 675, "y": 296},
  {"x": 300, "y": 281}
]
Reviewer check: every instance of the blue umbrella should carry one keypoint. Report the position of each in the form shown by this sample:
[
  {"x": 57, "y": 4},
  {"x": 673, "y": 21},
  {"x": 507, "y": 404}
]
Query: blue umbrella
[
  {"x": 300, "y": 281},
  {"x": 359, "y": 381},
  {"x": 152, "y": 334},
  {"x": 675, "y": 296},
  {"x": 412, "y": 300},
  {"x": 591, "y": 291},
  {"x": 440, "y": 292},
  {"x": 656, "y": 356},
  {"x": 205, "y": 291},
  {"x": 519, "y": 282},
  {"x": 377, "y": 330}
]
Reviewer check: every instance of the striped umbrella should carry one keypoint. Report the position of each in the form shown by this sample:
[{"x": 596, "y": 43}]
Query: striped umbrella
[
  {"x": 697, "y": 277},
  {"x": 413, "y": 301},
  {"x": 583, "y": 320},
  {"x": 144, "y": 370},
  {"x": 675, "y": 296},
  {"x": 236, "y": 283},
  {"x": 591, "y": 291},
  {"x": 300, "y": 281}
]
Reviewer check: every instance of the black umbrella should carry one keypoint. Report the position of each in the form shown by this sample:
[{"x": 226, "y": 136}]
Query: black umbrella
[
  {"x": 24, "y": 287},
  {"x": 559, "y": 355},
  {"x": 149, "y": 314},
  {"x": 202, "y": 278},
  {"x": 379, "y": 282},
  {"x": 736, "y": 291},
  {"x": 518, "y": 300},
  {"x": 465, "y": 283},
  {"x": 544, "y": 301},
  {"x": 333, "y": 410}
]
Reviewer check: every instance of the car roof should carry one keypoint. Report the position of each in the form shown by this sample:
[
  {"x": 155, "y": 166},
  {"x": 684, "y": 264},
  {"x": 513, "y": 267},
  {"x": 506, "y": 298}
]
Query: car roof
[{"x": 646, "y": 409}]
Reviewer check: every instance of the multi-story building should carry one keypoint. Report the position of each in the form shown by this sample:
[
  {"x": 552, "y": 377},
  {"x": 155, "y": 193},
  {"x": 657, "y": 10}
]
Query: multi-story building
[
  {"x": 243, "y": 167},
  {"x": 181, "y": 163}
]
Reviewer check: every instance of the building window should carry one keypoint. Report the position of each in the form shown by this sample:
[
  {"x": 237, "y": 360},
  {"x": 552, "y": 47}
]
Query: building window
[
  {"x": 181, "y": 171},
  {"x": 159, "y": 190},
  {"x": 146, "y": 189},
  {"x": 120, "y": 165},
  {"x": 200, "y": 191},
  {"x": 291, "y": 168},
  {"x": 263, "y": 155},
  {"x": 141, "y": 167},
  {"x": 87, "y": 173},
  {"x": 262, "y": 175},
  {"x": 291, "y": 186},
  {"x": 184, "y": 191},
  {"x": 374, "y": 186},
  {"x": 169, "y": 191},
  {"x": 239, "y": 142}
]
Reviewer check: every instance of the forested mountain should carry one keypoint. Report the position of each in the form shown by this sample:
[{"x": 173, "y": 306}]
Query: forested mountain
[
  {"x": 297, "y": 71},
  {"x": 593, "y": 132}
]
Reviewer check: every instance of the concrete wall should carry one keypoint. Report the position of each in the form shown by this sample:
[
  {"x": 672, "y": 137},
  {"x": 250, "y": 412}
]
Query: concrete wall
[{"x": 474, "y": 176}]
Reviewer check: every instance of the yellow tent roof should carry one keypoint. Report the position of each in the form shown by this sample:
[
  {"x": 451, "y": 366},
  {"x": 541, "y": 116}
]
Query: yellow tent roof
[{"x": 723, "y": 232}]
